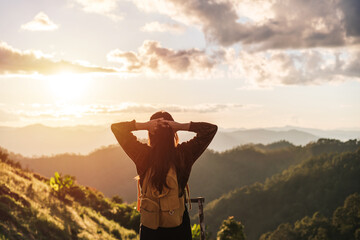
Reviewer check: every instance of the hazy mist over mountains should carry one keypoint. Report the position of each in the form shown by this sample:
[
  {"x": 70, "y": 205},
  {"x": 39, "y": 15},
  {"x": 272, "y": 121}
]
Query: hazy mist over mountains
[{"x": 40, "y": 140}]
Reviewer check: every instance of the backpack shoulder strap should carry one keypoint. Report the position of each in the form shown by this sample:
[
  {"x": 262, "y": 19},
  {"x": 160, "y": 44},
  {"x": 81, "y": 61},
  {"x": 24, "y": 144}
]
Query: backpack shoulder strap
[
  {"x": 140, "y": 189},
  {"x": 138, "y": 195},
  {"x": 187, "y": 195}
]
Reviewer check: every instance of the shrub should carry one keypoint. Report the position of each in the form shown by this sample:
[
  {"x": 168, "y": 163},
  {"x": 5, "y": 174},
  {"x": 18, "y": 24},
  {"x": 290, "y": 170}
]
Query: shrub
[
  {"x": 5, "y": 213},
  {"x": 60, "y": 184},
  {"x": 195, "y": 232},
  {"x": 77, "y": 193},
  {"x": 116, "y": 234},
  {"x": 4, "y": 157},
  {"x": 117, "y": 199},
  {"x": 231, "y": 230}
]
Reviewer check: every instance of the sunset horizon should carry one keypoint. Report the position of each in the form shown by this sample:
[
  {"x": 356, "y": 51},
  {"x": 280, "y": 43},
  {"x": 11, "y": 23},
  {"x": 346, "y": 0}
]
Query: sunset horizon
[
  {"x": 113, "y": 111},
  {"x": 86, "y": 62}
]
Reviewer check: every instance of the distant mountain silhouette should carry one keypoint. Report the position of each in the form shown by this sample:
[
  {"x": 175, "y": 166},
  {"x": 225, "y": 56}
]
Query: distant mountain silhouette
[
  {"x": 227, "y": 140},
  {"x": 40, "y": 140},
  {"x": 342, "y": 135}
]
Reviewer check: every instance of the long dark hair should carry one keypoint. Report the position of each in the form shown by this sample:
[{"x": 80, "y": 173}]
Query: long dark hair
[{"x": 163, "y": 151}]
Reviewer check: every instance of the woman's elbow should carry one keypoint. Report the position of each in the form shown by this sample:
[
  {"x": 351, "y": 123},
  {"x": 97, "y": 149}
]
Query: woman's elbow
[
  {"x": 215, "y": 128},
  {"x": 113, "y": 127}
]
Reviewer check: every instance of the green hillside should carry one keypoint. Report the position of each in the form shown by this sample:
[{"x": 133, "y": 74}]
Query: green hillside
[
  {"x": 31, "y": 209},
  {"x": 343, "y": 224},
  {"x": 104, "y": 168},
  {"x": 247, "y": 164},
  {"x": 244, "y": 165},
  {"x": 318, "y": 177},
  {"x": 319, "y": 184}
]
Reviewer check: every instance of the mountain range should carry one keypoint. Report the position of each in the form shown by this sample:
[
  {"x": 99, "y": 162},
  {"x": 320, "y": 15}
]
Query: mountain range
[
  {"x": 264, "y": 186},
  {"x": 38, "y": 139}
]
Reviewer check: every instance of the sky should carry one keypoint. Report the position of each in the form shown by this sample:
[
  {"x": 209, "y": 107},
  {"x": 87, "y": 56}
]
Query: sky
[{"x": 235, "y": 63}]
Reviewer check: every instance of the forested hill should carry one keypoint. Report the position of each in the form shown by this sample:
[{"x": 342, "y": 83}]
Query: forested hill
[
  {"x": 319, "y": 184},
  {"x": 31, "y": 208},
  {"x": 247, "y": 164},
  {"x": 318, "y": 177},
  {"x": 343, "y": 224},
  {"x": 112, "y": 172}
]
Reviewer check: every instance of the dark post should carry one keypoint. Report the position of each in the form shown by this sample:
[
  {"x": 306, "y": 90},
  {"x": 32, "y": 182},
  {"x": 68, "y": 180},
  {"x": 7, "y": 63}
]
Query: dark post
[{"x": 200, "y": 201}]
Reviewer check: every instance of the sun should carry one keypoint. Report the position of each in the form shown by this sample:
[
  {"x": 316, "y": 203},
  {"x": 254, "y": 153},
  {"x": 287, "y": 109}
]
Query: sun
[{"x": 69, "y": 86}]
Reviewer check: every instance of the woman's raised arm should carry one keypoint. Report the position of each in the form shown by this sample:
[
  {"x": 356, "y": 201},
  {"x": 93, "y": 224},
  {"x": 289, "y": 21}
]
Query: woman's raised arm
[
  {"x": 150, "y": 126},
  {"x": 193, "y": 148},
  {"x": 177, "y": 126},
  {"x": 135, "y": 149}
]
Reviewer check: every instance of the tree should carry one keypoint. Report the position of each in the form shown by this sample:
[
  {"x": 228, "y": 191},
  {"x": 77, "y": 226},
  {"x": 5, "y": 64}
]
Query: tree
[
  {"x": 231, "y": 229},
  {"x": 347, "y": 218}
]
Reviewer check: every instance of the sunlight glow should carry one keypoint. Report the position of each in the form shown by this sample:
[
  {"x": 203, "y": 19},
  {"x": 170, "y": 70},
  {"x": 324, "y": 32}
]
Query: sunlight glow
[{"x": 69, "y": 86}]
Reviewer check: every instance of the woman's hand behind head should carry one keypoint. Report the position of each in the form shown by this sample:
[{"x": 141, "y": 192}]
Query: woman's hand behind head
[
  {"x": 174, "y": 125},
  {"x": 153, "y": 125}
]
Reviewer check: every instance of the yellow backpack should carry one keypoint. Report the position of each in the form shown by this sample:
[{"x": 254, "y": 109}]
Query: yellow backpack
[{"x": 161, "y": 210}]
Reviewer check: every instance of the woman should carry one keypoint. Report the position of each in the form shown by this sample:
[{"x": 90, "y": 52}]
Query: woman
[{"x": 156, "y": 160}]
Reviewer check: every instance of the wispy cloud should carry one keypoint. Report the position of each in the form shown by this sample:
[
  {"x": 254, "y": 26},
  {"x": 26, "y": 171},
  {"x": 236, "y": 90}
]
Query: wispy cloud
[
  {"x": 287, "y": 24},
  {"x": 6, "y": 116},
  {"x": 103, "y": 7},
  {"x": 14, "y": 61},
  {"x": 148, "y": 108},
  {"x": 63, "y": 111},
  {"x": 163, "y": 27},
  {"x": 41, "y": 22}
]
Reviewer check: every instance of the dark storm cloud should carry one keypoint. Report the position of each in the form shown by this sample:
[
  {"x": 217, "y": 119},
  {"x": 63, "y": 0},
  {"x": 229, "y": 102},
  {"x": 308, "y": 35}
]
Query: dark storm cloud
[{"x": 351, "y": 10}]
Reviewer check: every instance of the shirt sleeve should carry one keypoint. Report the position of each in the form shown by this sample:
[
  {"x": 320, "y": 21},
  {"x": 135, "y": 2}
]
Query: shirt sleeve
[
  {"x": 192, "y": 149},
  {"x": 136, "y": 150}
]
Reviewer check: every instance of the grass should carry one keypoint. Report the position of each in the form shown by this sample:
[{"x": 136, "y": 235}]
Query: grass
[{"x": 29, "y": 211}]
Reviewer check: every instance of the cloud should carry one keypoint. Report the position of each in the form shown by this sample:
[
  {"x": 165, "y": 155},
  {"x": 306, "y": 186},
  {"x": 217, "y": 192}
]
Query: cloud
[
  {"x": 350, "y": 9},
  {"x": 103, "y": 7},
  {"x": 261, "y": 69},
  {"x": 14, "y": 61},
  {"x": 78, "y": 111},
  {"x": 287, "y": 24},
  {"x": 6, "y": 116},
  {"x": 41, "y": 22},
  {"x": 152, "y": 57},
  {"x": 149, "y": 108},
  {"x": 305, "y": 67},
  {"x": 163, "y": 27}
]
